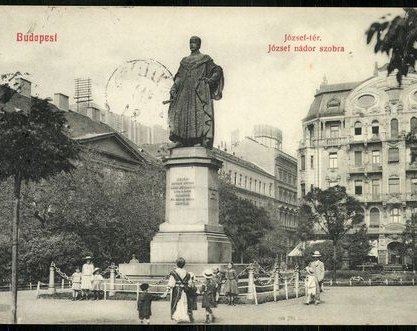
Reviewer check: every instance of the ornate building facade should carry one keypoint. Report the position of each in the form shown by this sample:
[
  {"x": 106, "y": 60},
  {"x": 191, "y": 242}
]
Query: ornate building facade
[{"x": 355, "y": 136}]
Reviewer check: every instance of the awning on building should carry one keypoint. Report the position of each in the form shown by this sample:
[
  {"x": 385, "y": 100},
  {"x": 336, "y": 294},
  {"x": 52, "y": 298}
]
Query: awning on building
[{"x": 299, "y": 249}]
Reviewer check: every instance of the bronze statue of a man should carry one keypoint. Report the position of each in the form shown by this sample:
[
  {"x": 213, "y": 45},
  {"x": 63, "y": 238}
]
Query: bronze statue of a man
[{"x": 198, "y": 81}]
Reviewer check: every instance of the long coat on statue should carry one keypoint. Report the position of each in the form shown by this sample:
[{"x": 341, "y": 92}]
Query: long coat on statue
[{"x": 191, "y": 116}]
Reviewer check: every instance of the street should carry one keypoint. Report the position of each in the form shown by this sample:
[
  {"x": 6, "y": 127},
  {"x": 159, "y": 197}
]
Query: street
[{"x": 341, "y": 305}]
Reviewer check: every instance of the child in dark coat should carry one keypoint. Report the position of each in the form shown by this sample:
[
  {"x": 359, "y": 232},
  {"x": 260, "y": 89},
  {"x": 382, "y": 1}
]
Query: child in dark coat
[
  {"x": 144, "y": 303},
  {"x": 208, "y": 290}
]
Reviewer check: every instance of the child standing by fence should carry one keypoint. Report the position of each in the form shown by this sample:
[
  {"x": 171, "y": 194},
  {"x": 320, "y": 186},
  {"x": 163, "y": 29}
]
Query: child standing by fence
[
  {"x": 76, "y": 284},
  {"x": 144, "y": 303},
  {"x": 97, "y": 280},
  {"x": 208, "y": 290}
]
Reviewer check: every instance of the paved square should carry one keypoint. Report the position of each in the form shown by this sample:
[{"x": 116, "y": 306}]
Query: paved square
[{"x": 342, "y": 305}]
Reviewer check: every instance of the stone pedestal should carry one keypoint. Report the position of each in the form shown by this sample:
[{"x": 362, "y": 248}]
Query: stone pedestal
[{"x": 191, "y": 229}]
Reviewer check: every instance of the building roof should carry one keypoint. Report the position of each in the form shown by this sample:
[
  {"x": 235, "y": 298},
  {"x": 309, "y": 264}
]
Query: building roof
[
  {"x": 237, "y": 160},
  {"x": 329, "y": 100},
  {"x": 80, "y": 127}
]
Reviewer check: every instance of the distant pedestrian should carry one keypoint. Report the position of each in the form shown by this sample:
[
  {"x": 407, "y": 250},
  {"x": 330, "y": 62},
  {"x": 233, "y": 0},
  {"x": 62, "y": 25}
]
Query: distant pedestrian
[
  {"x": 76, "y": 284},
  {"x": 87, "y": 277},
  {"x": 318, "y": 268},
  {"x": 96, "y": 283},
  {"x": 208, "y": 290},
  {"x": 218, "y": 279},
  {"x": 178, "y": 284},
  {"x": 144, "y": 303},
  {"x": 231, "y": 289},
  {"x": 311, "y": 287},
  {"x": 192, "y": 293}
]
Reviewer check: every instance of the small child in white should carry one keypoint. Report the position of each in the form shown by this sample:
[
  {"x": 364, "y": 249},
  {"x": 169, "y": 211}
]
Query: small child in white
[{"x": 311, "y": 286}]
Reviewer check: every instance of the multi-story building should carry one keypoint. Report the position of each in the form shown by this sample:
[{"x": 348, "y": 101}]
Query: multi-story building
[{"x": 354, "y": 135}]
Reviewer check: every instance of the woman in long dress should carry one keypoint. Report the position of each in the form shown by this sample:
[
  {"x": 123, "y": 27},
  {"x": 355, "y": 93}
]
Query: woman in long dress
[
  {"x": 178, "y": 284},
  {"x": 231, "y": 289},
  {"x": 87, "y": 277}
]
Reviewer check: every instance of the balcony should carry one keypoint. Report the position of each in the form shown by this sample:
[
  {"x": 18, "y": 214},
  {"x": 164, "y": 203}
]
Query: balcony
[
  {"x": 367, "y": 139},
  {"x": 329, "y": 142},
  {"x": 369, "y": 168},
  {"x": 411, "y": 167}
]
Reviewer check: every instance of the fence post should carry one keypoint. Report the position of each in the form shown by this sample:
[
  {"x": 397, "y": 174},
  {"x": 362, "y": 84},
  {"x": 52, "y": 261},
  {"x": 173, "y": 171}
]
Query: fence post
[
  {"x": 370, "y": 281},
  {"x": 401, "y": 281},
  {"x": 413, "y": 281},
  {"x": 350, "y": 282},
  {"x": 30, "y": 286},
  {"x": 137, "y": 292},
  {"x": 286, "y": 287},
  {"x": 251, "y": 282},
  {"x": 51, "y": 284},
  {"x": 331, "y": 282},
  {"x": 37, "y": 289},
  {"x": 296, "y": 283},
  {"x": 105, "y": 291},
  {"x": 62, "y": 283},
  {"x": 276, "y": 282},
  {"x": 112, "y": 279},
  {"x": 386, "y": 281}
]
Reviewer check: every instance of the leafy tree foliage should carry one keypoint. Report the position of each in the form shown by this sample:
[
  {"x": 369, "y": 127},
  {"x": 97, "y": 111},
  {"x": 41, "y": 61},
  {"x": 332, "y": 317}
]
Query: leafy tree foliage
[
  {"x": 358, "y": 247},
  {"x": 34, "y": 146},
  {"x": 409, "y": 237},
  {"x": 326, "y": 250},
  {"x": 94, "y": 210},
  {"x": 244, "y": 223},
  {"x": 396, "y": 38},
  {"x": 334, "y": 213}
]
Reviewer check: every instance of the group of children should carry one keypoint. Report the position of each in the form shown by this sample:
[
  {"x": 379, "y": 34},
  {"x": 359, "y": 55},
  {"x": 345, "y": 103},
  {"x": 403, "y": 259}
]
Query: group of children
[
  {"x": 209, "y": 290},
  {"x": 86, "y": 286}
]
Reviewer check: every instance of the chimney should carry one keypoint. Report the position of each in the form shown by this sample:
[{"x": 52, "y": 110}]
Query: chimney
[
  {"x": 23, "y": 86},
  {"x": 61, "y": 101}
]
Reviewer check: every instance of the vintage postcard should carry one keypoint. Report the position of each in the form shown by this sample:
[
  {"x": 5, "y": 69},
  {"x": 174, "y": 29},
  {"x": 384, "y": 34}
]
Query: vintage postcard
[{"x": 180, "y": 165}]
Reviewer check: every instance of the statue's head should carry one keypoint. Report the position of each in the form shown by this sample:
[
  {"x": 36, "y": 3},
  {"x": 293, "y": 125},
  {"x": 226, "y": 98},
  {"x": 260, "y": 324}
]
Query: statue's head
[{"x": 195, "y": 43}]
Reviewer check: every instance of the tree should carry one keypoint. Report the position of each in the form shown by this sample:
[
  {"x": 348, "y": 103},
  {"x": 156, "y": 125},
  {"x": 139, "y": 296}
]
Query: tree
[
  {"x": 244, "y": 223},
  {"x": 409, "y": 237},
  {"x": 396, "y": 38},
  {"x": 34, "y": 146},
  {"x": 358, "y": 246},
  {"x": 334, "y": 213}
]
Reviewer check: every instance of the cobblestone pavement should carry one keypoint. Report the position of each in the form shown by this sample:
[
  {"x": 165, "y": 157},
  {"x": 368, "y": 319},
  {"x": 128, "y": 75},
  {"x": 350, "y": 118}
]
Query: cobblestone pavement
[{"x": 341, "y": 305}]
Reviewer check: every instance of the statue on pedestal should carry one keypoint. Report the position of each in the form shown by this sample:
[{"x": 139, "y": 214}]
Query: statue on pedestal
[{"x": 197, "y": 83}]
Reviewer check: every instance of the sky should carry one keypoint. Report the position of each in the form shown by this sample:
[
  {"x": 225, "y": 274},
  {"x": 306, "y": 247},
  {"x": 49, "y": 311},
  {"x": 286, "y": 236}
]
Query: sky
[{"x": 273, "y": 88}]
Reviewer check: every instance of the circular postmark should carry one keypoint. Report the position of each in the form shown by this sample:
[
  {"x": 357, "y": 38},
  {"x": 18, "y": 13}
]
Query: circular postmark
[{"x": 137, "y": 89}]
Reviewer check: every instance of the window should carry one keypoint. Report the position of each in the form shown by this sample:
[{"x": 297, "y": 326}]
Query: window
[
  {"x": 255, "y": 185},
  {"x": 395, "y": 215},
  {"x": 413, "y": 125},
  {"x": 303, "y": 190},
  {"x": 246, "y": 181},
  {"x": 375, "y": 127},
  {"x": 393, "y": 155},
  {"x": 414, "y": 185},
  {"x": 303, "y": 162},
  {"x": 264, "y": 189},
  {"x": 393, "y": 185},
  {"x": 375, "y": 188},
  {"x": 235, "y": 179},
  {"x": 240, "y": 180},
  {"x": 358, "y": 158},
  {"x": 260, "y": 185},
  {"x": 270, "y": 189},
  {"x": 376, "y": 157},
  {"x": 394, "y": 128},
  {"x": 250, "y": 183},
  {"x": 413, "y": 155},
  {"x": 374, "y": 218},
  {"x": 230, "y": 174},
  {"x": 358, "y": 128},
  {"x": 358, "y": 187},
  {"x": 311, "y": 162},
  {"x": 280, "y": 173},
  {"x": 334, "y": 131},
  {"x": 333, "y": 160}
]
